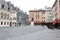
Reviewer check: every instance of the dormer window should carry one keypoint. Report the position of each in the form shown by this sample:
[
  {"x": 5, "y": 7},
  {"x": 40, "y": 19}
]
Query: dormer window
[{"x": 2, "y": 6}]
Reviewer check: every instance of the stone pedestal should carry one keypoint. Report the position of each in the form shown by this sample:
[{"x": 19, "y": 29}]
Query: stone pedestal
[{"x": 32, "y": 23}]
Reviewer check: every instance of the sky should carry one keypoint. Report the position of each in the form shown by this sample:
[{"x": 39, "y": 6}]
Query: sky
[{"x": 27, "y": 5}]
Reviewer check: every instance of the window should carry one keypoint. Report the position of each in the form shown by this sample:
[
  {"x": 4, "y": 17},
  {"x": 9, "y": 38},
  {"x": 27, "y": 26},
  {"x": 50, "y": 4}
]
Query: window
[
  {"x": 50, "y": 13},
  {"x": 14, "y": 18},
  {"x": 4, "y": 23},
  {"x": 21, "y": 13},
  {"x": 5, "y": 16},
  {"x": 48, "y": 19},
  {"x": 42, "y": 20},
  {"x": 1, "y": 23},
  {"x": 37, "y": 15},
  {"x": 56, "y": 14},
  {"x": 2, "y": 6},
  {"x": 44, "y": 17},
  {"x": 49, "y": 16},
  {"x": 8, "y": 8},
  {"x": 8, "y": 3},
  {"x": 10, "y": 18},
  {"x": 1, "y": 14}
]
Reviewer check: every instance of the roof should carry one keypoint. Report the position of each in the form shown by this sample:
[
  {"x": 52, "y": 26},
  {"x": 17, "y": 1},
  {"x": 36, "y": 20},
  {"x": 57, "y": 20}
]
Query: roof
[
  {"x": 36, "y": 10},
  {"x": 2, "y": 2},
  {"x": 54, "y": 3}
]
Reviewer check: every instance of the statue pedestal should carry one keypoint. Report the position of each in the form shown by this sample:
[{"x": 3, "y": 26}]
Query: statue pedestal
[{"x": 32, "y": 23}]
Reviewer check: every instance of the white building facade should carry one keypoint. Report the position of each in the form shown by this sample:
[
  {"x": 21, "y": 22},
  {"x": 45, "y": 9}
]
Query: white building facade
[
  {"x": 48, "y": 15},
  {"x": 7, "y": 14}
]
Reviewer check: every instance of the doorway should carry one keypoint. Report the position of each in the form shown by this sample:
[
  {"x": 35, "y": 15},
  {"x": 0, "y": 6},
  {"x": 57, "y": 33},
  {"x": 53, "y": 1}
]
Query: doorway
[
  {"x": 32, "y": 19},
  {"x": 10, "y": 23}
]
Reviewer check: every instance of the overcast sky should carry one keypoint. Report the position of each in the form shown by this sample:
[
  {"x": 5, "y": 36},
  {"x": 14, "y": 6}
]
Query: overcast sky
[{"x": 27, "y": 5}]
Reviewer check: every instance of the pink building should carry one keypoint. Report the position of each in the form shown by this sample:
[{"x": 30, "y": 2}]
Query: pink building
[
  {"x": 56, "y": 9},
  {"x": 37, "y": 16}
]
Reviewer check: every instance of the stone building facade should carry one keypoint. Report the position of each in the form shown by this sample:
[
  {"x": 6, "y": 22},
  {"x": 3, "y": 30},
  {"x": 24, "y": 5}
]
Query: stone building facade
[
  {"x": 37, "y": 16},
  {"x": 56, "y": 9},
  {"x": 48, "y": 14},
  {"x": 22, "y": 18},
  {"x": 6, "y": 14}
]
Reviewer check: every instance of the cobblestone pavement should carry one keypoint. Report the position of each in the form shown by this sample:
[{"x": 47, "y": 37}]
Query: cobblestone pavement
[{"x": 29, "y": 33}]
